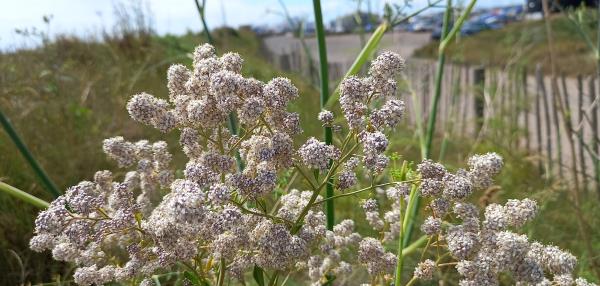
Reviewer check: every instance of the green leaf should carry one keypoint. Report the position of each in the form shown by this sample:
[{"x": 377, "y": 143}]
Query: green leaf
[
  {"x": 190, "y": 276},
  {"x": 257, "y": 273},
  {"x": 23, "y": 196}
]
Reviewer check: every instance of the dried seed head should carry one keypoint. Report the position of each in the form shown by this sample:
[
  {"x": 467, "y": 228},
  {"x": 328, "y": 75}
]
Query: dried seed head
[
  {"x": 425, "y": 270},
  {"x": 326, "y": 117},
  {"x": 386, "y": 65},
  {"x": 232, "y": 62},
  {"x": 177, "y": 76},
  {"x": 431, "y": 226}
]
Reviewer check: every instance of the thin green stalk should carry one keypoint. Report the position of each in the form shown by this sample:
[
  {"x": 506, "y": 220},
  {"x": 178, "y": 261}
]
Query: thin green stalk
[
  {"x": 417, "y": 12},
  {"x": 447, "y": 37},
  {"x": 328, "y": 134},
  {"x": 234, "y": 130},
  {"x": 33, "y": 163},
  {"x": 414, "y": 246},
  {"x": 232, "y": 120},
  {"x": 200, "y": 8},
  {"x": 407, "y": 222},
  {"x": 21, "y": 195},
  {"x": 221, "y": 279},
  {"x": 400, "y": 254},
  {"x": 426, "y": 148}
]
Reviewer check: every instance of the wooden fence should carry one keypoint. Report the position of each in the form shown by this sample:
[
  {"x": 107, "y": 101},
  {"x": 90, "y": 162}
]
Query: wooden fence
[{"x": 517, "y": 107}]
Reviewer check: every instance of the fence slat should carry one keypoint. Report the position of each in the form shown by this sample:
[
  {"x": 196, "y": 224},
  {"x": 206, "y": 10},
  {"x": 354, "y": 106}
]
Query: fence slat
[
  {"x": 580, "y": 132},
  {"x": 594, "y": 134},
  {"x": 542, "y": 88}
]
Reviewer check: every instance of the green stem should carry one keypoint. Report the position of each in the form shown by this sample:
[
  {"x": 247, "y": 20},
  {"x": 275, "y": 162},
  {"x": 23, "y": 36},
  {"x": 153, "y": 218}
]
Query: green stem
[
  {"x": 426, "y": 151},
  {"x": 234, "y": 131},
  {"x": 446, "y": 39},
  {"x": 407, "y": 224},
  {"x": 324, "y": 74},
  {"x": 232, "y": 120},
  {"x": 33, "y": 163},
  {"x": 362, "y": 190},
  {"x": 200, "y": 8},
  {"x": 21, "y": 195},
  {"x": 449, "y": 36},
  {"x": 400, "y": 254},
  {"x": 222, "y": 266},
  {"x": 414, "y": 246},
  {"x": 412, "y": 281}
]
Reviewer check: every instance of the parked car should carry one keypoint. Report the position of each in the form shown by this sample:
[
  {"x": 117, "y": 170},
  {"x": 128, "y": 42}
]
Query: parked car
[
  {"x": 470, "y": 27},
  {"x": 424, "y": 25},
  {"x": 474, "y": 27}
]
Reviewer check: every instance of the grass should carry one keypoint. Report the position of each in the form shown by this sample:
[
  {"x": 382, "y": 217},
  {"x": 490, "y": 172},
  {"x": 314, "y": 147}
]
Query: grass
[{"x": 524, "y": 43}]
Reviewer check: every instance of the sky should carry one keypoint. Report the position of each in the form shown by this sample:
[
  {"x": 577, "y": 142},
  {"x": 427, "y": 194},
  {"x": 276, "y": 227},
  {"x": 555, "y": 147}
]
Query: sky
[{"x": 87, "y": 17}]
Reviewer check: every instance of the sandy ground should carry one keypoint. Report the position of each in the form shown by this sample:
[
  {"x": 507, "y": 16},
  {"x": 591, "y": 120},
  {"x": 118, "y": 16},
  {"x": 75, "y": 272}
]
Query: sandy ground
[{"x": 344, "y": 48}]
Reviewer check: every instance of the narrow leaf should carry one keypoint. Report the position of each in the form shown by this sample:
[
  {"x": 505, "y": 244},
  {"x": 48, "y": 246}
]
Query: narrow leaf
[
  {"x": 190, "y": 276},
  {"x": 257, "y": 273}
]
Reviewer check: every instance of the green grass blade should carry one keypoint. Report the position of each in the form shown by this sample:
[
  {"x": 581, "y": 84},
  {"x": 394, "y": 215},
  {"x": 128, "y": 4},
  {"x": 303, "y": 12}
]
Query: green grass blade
[
  {"x": 426, "y": 148},
  {"x": 324, "y": 76},
  {"x": 21, "y": 195},
  {"x": 39, "y": 171},
  {"x": 457, "y": 26},
  {"x": 257, "y": 273},
  {"x": 201, "y": 10}
]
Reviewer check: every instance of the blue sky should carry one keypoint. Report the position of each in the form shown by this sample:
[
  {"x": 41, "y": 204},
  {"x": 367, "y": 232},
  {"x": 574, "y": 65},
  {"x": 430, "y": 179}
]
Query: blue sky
[{"x": 86, "y": 17}]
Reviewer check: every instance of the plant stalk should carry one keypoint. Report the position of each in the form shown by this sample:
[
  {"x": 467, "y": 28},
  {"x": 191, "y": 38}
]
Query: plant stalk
[
  {"x": 33, "y": 163},
  {"x": 324, "y": 74},
  {"x": 200, "y": 8},
  {"x": 24, "y": 196}
]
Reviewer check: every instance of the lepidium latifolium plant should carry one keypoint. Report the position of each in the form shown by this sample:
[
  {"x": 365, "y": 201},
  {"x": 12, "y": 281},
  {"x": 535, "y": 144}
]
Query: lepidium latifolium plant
[{"x": 216, "y": 222}]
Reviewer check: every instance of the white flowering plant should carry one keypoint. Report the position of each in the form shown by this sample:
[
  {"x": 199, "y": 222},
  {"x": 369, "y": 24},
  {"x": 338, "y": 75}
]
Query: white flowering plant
[{"x": 221, "y": 222}]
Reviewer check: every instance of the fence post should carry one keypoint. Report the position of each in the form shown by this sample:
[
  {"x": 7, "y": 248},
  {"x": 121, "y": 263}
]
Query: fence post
[
  {"x": 569, "y": 121},
  {"x": 466, "y": 100},
  {"x": 479, "y": 96},
  {"x": 538, "y": 117},
  {"x": 542, "y": 88},
  {"x": 594, "y": 145},
  {"x": 284, "y": 62},
  {"x": 580, "y": 131},
  {"x": 526, "y": 108}
]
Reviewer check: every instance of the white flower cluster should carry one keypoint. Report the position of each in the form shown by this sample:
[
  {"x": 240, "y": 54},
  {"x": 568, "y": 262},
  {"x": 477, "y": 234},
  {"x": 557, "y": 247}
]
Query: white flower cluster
[
  {"x": 155, "y": 221},
  {"x": 485, "y": 247},
  {"x": 224, "y": 219},
  {"x": 356, "y": 96}
]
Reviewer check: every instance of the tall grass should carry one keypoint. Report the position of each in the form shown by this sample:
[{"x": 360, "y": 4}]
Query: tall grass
[
  {"x": 324, "y": 77},
  {"x": 33, "y": 163}
]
